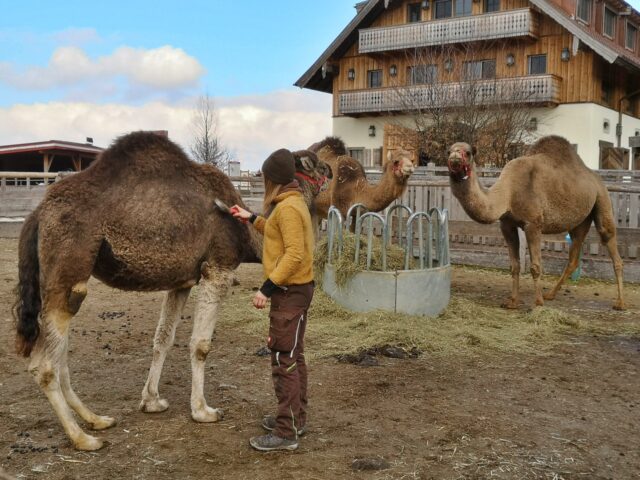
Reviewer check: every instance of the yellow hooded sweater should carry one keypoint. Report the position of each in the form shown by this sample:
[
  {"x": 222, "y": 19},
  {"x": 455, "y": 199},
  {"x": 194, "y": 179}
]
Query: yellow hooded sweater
[{"x": 287, "y": 251}]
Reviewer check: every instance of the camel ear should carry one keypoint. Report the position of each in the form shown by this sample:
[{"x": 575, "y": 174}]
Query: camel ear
[
  {"x": 474, "y": 150},
  {"x": 307, "y": 163}
]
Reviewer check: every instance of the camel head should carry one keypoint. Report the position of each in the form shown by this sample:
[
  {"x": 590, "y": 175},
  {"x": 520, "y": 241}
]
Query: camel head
[
  {"x": 460, "y": 161},
  {"x": 401, "y": 162},
  {"x": 310, "y": 169}
]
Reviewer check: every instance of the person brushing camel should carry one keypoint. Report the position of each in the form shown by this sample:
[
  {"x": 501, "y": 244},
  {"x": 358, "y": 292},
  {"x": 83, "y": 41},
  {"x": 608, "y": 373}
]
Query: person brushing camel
[{"x": 288, "y": 267}]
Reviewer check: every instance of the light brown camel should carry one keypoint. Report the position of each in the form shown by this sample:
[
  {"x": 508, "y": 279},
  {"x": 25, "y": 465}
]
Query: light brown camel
[
  {"x": 550, "y": 190},
  {"x": 349, "y": 184},
  {"x": 141, "y": 218}
]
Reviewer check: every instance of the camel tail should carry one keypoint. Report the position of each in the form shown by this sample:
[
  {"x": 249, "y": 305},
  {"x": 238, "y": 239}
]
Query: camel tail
[{"x": 28, "y": 304}]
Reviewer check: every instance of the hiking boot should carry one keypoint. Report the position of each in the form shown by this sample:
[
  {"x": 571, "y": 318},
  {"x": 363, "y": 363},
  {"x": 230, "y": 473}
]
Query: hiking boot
[
  {"x": 269, "y": 423},
  {"x": 271, "y": 442}
]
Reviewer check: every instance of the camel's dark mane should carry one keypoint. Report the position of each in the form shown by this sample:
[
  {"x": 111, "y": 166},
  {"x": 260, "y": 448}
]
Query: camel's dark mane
[{"x": 336, "y": 145}]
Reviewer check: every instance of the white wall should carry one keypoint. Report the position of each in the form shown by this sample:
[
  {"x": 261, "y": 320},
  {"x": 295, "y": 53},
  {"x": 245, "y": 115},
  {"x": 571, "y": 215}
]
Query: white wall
[{"x": 580, "y": 123}]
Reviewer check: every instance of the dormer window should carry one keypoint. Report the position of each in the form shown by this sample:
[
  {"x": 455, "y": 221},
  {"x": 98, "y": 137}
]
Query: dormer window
[
  {"x": 631, "y": 36},
  {"x": 609, "y": 27},
  {"x": 584, "y": 10}
]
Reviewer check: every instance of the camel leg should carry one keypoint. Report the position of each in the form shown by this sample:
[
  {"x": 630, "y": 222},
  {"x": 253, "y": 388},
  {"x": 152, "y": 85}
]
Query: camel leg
[
  {"x": 46, "y": 363},
  {"x": 534, "y": 237},
  {"x": 510, "y": 233},
  {"x": 578, "y": 235},
  {"x": 96, "y": 422},
  {"x": 606, "y": 227},
  {"x": 170, "y": 316},
  {"x": 212, "y": 289}
]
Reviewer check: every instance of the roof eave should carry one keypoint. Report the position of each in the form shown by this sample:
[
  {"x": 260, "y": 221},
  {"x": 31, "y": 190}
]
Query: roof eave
[{"x": 322, "y": 85}]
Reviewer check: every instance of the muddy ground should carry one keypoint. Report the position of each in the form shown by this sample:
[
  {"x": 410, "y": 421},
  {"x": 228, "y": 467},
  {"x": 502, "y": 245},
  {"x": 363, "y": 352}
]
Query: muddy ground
[{"x": 572, "y": 412}]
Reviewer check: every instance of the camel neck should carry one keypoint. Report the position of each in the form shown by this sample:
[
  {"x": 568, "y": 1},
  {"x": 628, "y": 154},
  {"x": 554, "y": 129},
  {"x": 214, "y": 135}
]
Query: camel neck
[
  {"x": 481, "y": 204},
  {"x": 386, "y": 190}
]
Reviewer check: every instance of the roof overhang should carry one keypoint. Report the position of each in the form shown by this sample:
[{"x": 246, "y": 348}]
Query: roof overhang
[
  {"x": 51, "y": 146},
  {"x": 608, "y": 53},
  {"x": 313, "y": 78}
]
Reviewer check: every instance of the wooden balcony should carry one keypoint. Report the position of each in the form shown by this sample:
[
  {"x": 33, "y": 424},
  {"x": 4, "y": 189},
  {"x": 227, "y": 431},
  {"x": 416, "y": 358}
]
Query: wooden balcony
[
  {"x": 489, "y": 26},
  {"x": 537, "y": 89}
]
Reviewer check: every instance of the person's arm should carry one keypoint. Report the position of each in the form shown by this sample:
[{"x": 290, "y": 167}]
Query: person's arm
[
  {"x": 291, "y": 225},
  {"x": 246, "y": 216}
]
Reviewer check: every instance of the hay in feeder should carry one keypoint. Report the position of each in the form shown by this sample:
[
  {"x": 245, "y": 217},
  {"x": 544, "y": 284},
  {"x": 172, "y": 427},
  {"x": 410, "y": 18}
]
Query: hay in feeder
[{"x": 345, "y": 264}]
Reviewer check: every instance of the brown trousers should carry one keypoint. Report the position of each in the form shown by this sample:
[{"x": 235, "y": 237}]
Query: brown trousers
[{"x": 288, "y": 321}]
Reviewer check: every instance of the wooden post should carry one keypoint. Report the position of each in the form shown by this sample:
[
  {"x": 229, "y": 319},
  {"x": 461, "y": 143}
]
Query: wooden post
[
  {"x": 47, "y": 163},
  {"x": 77, "y": 162}
]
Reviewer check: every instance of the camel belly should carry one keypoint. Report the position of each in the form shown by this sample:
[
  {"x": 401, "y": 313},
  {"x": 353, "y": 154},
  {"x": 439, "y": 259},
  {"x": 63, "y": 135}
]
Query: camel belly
[{"x": 149, "y": 272}]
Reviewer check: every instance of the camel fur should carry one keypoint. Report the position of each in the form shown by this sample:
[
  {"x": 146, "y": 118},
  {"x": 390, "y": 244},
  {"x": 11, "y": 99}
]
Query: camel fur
[
  {"x": 548, "y": 191},
  {"x": 349, "y": 184},
  {"x": 141, "y": 218}
]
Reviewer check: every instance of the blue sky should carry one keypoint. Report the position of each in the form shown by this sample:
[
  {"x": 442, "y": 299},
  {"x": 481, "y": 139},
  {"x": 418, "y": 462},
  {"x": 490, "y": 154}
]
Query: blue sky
[{"x": 150, "y": 60}]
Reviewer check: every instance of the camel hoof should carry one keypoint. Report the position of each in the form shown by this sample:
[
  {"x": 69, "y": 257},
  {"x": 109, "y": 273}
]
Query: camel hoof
[
  {"x": 208, "y": 415},
  {"x": 102, "y": 423},
  {"x": 539, "y": 302},
  {"x": 87, "y": 443},
  {"x": 549, "y": 296},
  {"x": 156, "y": 405},
  {"x": 619, "y": 305},
  {"x": 509, "y": 304}
]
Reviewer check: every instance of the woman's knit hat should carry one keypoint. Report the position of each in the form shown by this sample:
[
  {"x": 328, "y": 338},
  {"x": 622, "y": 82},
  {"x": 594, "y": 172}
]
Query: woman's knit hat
[{"x": 280, "y": 167}]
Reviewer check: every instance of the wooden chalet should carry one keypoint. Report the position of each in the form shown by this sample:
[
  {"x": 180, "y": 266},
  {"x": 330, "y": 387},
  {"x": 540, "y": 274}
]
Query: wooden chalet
[{"x": 577, "y": 63}]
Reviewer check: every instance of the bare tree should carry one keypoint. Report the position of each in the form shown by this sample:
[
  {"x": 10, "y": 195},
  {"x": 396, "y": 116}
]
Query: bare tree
[
  {"x": 207, "y": 146},
  {"x": 451, "y": 93}
]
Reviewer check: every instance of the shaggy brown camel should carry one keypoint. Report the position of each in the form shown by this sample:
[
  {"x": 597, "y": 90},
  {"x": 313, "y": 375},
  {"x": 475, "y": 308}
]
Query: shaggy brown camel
[
  {"x": 550, "y": 190},
  {"x": 141, "y": 218},
  {"x": 349, "y": 184},
  {"x": 313, "y": 175}
]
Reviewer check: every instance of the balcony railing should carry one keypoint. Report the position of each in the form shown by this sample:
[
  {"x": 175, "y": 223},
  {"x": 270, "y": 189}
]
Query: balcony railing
[
  {"x": 538, "y": 89},
  {"x": 489, "y": 26}
]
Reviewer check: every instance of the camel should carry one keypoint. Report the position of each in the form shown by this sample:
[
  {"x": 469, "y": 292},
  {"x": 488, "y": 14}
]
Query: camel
[
  {"x": 549, "y": 190},
  {"x": 140, "y": 218},
  {"x": 349, "y": 184},
  {"x": 313, "y": 175}
]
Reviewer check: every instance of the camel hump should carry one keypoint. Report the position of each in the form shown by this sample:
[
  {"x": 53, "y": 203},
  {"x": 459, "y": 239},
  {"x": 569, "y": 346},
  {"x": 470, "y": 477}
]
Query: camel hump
[
  {"x": 145, "y": 151},
  {"x": 334, "y": 144},
  {"x": 349, "y": 169},
  {"x": 556, "y": 148}
]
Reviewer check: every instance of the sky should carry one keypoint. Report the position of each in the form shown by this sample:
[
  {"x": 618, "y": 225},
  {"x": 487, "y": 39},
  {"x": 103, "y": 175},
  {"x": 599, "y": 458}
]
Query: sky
[
  {"x": 75, "y": 69},
  {"x": 71, "y": 70}
]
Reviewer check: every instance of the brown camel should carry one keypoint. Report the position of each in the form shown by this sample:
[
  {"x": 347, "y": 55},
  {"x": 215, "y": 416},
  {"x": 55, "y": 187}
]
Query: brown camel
[
  {"x": 349, "y": 183},
  {"x": 313, "y": 175},
  {"x": 141, "y": 218},
  {"x": 550, "y": 190}
]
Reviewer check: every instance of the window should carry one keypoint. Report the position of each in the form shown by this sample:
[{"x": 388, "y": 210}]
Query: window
[
  {"x": 463, "y": 8},
  {"x": 444, "y": 8},
  {"x": 491, "y": 6},
  {"x": 414, "y": 12},
  {"x": 537, "y": 64},
  {"x": 609, "y": 28},
  {"x": 632, "y": 34},
  {"x": 584, "y": 10},
  {"x": 356, "y": 154},
  {"x": 607, "y": 91},
  {"x": 482, "y": 69},
  {"x": 421, "y": 74},
  {"x": 374, "y": 78}
]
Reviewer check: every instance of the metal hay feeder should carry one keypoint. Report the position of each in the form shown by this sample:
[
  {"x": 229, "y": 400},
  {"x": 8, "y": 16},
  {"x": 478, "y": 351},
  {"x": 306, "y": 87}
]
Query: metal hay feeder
[{"x": 423, "y": 287}]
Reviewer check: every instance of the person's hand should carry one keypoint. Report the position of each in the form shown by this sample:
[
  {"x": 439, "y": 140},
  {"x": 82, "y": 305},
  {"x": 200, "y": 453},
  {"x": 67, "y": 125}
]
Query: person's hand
[
  {"x": 240, "y": 213},
  {"x": 259, "y": 300}
]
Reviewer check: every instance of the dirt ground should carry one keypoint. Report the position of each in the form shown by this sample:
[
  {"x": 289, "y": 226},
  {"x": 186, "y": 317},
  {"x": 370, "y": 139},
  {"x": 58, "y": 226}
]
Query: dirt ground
[{"x": 571, "y": 412}]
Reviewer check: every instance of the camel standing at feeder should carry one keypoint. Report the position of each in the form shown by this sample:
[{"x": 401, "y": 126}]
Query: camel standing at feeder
[
  {"x": 141, "y": 218},
  {"x": 313, "y": 175},
  {"x": 550, "y": 190},
  {"x": 349, "y": 184}
]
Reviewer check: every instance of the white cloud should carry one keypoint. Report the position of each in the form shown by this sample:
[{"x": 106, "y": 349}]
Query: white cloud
[
  {"x": 252, "y": 127},
  {"x": 162, "y": 68},
  {"x": 75, "y": 36}
]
